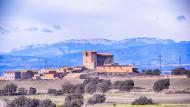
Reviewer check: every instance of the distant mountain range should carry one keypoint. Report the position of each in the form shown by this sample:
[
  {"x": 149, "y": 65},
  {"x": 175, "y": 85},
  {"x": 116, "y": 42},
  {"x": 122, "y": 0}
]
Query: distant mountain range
[{"x": 143, "y": 52}]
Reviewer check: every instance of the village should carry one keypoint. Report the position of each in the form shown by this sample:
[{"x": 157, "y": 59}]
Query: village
[{"x": 92, "y": 61}]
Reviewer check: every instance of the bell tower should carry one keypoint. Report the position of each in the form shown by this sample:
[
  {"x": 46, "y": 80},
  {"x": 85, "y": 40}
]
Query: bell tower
[{"x": 90, "y": 59}]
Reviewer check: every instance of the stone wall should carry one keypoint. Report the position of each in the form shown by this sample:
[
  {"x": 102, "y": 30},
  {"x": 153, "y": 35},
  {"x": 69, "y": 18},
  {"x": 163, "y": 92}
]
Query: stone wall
[{"x": 122, "y": 69}]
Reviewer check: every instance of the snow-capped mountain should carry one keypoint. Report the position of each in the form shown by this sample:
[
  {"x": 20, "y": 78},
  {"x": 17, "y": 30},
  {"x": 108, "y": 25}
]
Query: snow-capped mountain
[
  {"x": 138, "y": 51},
  {"x": 78, "y": 45}
]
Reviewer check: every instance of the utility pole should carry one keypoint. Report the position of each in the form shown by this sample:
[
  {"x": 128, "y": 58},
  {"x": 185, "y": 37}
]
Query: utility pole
[
  {"x": 160, "y": 60},
  {"x": 179, "y": 61},
  {"x": 45, "y": 63}
]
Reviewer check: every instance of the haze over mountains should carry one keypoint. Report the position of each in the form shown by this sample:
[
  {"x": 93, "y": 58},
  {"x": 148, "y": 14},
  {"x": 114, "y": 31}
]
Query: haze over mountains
[{"x": 143, "y": 52}]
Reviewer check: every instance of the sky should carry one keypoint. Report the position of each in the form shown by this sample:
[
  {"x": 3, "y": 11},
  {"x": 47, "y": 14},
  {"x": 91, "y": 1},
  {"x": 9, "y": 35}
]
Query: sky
[{"x": 27, "y": 22}]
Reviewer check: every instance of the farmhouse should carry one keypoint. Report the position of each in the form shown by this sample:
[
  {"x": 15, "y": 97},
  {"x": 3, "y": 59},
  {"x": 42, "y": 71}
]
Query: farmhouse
[{"x": 104, "y": 62}]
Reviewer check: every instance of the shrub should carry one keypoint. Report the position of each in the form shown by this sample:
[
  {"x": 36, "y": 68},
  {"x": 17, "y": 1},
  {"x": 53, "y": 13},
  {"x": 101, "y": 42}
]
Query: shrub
[
  {"x": 126, "y": 85},
  {"x": 97, "y": 98},
  {"x": 22, "y": 91},
  {"x": 152, "y": 72},
  {"x": 161, "y": 84},
  {"x": 73, "y": 100},
  {"x": 22, "y": 101},
  {"x": 84, "y": 76},
  {"x": 51, "y": 91},
  {"x": 10, "y": 89},
  {"x": 79, "y": 88},
  {"x": 68, "y": 88},
  {"x": 179, "y": 71},
  {"x": 55, "y": 92},
  {"x": 143, "y": 101},
  {"x": 103, "y": 86},
  {"x": 32, "y": 91},
  {"x": 46, "y": 103},
  {"x": 90, "y": 87}
]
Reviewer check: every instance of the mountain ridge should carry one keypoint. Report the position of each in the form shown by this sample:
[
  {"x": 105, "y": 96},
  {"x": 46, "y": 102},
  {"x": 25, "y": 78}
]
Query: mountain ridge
[{"x": 142, "y": 52}]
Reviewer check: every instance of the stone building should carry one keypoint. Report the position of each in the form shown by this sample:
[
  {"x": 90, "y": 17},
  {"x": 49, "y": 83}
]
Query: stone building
[
  {"x": 12, "y": 75},
  {"x": 92, "y": 59},
  {"x": 104, "y": 62}
]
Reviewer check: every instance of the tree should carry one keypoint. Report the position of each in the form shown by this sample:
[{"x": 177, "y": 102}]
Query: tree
[
  {"x": 152, "y": 72},
  {"x": 97, "y": 98},
  {"x": 68, "y": 88},
  {"x": 32, "y": 90},
  {"x": 126, "y": 85},
  {"x": 46, "y": 103},
  {"x": 22, "y": 101},
  {"x": 10, "y": 89},
  {"x": 73, "y": 100},
  {"x": 103, "y": 86},
  {"x": 179, "y": 71},
  {"x": 142, "y": 101},
  {"x": 90, "y": 87},
  {"x": 22, "y": 91},
  {"x": 161, "y": 84}
]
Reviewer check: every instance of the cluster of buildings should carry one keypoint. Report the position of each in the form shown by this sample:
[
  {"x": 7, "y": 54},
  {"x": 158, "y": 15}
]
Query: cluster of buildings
[
  {"x": 98, "y": 62},
  {"x": 45, "y": 73}
]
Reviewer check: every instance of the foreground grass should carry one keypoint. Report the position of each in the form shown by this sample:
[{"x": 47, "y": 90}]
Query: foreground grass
[{"x": 124, "y": 105}]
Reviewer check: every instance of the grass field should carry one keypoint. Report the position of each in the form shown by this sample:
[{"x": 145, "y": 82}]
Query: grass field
[
  {"x": 124, "y": 105},
  {"x": 121, "y": 99}
]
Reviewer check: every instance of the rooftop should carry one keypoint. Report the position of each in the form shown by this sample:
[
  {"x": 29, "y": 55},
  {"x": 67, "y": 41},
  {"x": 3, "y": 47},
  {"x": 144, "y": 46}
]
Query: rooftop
[{"x": 105, "y": 54}]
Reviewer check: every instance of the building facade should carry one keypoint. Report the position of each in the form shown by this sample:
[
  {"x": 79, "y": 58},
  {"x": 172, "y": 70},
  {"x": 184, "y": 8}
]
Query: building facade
[
  {"x": 116, "y": 69},
  {"x": 104, "y": 62},
  {"x": 12, "y": 75},
  {"x": 92, "y": 59}
]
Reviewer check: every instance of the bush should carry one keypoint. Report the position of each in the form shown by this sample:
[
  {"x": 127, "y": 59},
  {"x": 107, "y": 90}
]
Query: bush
[
  {"x": 46, "y": 103},
  {"x": 55, "y": 92},
  {"x": 22, "y": 91},
  {"x": 51, "y": 91},
  {"x": 152, "y": 72},
  {"x": 179, "y": 71},
  {"x": 68, "y": 88},
  {"x": 97, "y": 98},
  {"x": 32, "y": 91},
  {"x": 10, "y": 89},
  {"x": 126, "y": 85},
  {"x": 22, "y": 101},
  {"x": 103, "y": 86},
  {"x": 90, "y": 87},
  {"x": 143, "y": 101},
  {"x": 161, "y": 84},
  {"x": 84, "y": 76},
  {"x": 73, "y": 100}
]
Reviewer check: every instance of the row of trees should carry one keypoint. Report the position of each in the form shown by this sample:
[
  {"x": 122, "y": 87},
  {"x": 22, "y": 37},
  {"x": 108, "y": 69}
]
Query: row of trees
[
  {"x": 181, "y": 71},
  {"x": 151, "y": 72},
  {"x": 92, "y": 85},
  {"x": 12, "y": 89},
  {"x": 23, "y": 101}
]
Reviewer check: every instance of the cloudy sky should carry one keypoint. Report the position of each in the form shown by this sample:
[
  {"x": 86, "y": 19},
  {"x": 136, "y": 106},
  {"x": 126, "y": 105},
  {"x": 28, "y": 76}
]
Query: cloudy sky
[{"x": 26, "y": 22}]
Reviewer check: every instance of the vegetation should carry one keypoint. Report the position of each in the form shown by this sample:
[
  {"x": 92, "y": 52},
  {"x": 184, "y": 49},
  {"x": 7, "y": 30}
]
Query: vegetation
[
  {"x": 23, "y": 101},
  {"x": 126, "y": 85},
  {"x": 97, "y": 98},
  {"x": 181, "y": 71},
  {"x": 73, "y": 100},
  {"x": 103, "y": 86},
  {"x": 9, "y": 89},
  {"x": 161, "y": 84},
  {"x": 152, "y": 72},
  {"x": 143, "y": 101},
  {"x": 32, "y": 91},
  {"x": 22, "y": 91}
]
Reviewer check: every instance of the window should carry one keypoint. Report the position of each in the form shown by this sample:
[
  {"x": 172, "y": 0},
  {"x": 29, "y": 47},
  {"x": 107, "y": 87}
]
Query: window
[{"x": 86, "y": 54}]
